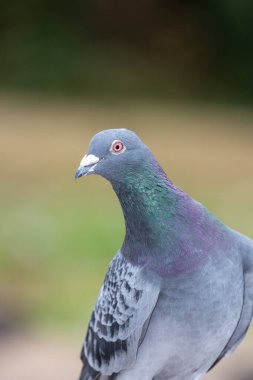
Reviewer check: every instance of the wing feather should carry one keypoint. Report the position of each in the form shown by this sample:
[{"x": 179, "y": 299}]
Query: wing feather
[{"x": 125, "y": 303}]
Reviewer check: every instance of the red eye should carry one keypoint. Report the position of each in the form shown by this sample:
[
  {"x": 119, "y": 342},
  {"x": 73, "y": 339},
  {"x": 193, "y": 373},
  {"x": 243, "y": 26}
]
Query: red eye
[{"x": 117, "y": 146}]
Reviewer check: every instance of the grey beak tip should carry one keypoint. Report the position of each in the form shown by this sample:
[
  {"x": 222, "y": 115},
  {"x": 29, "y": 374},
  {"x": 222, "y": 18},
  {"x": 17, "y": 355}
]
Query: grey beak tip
[{"x": 78, "y": 174}]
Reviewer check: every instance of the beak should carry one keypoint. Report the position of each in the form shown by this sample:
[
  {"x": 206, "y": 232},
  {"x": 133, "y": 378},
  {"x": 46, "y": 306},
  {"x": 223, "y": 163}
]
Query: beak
[{"x": 87, "y": 165}]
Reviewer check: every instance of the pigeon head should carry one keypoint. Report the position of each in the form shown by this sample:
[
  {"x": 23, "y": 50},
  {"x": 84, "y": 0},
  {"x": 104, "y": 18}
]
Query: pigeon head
[
  {"x": 114, "y": 154},
  {"x": 145, "y": 193}
]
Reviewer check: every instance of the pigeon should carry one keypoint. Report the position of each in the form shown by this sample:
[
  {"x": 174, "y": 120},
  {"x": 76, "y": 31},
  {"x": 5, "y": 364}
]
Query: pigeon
[{"x": 178, "y": 294}]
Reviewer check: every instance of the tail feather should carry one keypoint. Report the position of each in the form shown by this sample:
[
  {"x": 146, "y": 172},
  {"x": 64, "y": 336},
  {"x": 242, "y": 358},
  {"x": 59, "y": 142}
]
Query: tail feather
[{"x": 89, "y": 374}]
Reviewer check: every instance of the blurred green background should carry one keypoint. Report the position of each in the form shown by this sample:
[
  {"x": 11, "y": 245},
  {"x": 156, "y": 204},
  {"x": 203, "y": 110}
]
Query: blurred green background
[
  {"x": 151, "y": 48},
  {"x": 177, "y": 73}
]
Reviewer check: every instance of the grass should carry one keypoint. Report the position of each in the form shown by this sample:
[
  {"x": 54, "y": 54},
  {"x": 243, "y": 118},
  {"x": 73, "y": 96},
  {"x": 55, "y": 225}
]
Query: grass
[{"x": 57, "y": 236}]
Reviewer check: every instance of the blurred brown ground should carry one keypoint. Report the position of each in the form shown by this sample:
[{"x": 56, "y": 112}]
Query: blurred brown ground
[{"x": 49, "y": 357}]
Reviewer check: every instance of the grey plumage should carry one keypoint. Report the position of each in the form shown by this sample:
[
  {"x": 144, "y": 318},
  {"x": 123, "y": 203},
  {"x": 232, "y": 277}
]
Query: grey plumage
[
  {"x": 124, "y": 304},
  {"x": 178, "y": 295}
]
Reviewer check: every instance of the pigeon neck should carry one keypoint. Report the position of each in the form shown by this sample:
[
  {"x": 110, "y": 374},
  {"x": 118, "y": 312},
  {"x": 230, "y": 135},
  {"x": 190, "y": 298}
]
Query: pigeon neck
[{"x": 149, "y": 201}]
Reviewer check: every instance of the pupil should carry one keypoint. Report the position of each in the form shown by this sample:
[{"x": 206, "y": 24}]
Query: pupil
[{"x": 117, "y": 147}]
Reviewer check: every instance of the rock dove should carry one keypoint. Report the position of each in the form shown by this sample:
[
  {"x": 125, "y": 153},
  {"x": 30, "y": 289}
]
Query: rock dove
[{"x": 178, "y": 295}]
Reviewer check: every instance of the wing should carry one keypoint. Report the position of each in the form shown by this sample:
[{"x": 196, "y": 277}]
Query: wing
[
  {"x": 247, "y": 308},
  {"x": 119, "y": 320}
]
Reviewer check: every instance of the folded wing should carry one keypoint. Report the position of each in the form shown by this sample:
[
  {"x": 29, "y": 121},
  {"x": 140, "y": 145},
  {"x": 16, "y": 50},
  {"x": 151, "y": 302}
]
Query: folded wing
[{"x": 119, "y": 320}]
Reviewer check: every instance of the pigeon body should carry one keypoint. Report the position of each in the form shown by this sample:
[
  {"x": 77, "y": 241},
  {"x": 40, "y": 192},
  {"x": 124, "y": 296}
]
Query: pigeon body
[{"x": 178, "y": 295}]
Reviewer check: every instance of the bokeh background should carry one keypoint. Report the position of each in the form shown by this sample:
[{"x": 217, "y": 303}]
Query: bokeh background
[{"x": 180, "y": 75}]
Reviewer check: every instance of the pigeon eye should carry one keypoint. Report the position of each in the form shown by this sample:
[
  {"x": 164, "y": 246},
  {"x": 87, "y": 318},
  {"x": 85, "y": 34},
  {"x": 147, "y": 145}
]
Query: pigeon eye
[{"x": 117, "y": 147}]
